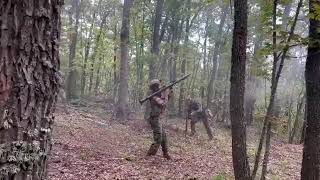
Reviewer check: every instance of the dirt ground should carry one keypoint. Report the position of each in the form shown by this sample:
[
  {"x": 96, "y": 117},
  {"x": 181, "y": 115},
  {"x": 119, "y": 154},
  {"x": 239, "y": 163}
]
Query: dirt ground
[{"x": 88, "y": 146}]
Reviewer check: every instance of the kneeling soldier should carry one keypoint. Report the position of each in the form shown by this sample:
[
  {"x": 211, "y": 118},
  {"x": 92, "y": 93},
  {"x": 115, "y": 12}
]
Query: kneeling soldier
[{"x": 195, "y": 113}]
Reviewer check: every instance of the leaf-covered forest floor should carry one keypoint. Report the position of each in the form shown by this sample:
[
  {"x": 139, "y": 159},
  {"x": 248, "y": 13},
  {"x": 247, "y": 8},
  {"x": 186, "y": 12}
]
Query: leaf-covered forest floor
[{"x": 88, "y": 146}]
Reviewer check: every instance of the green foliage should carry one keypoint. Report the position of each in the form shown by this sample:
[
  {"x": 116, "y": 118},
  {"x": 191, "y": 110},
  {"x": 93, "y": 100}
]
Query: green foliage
[
  {"x": 219, "y": 177},
  {"x": 316, "y": 14}
]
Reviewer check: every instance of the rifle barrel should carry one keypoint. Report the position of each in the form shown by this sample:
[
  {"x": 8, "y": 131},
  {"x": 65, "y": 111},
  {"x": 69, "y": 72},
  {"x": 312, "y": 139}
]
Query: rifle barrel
[{"x": 164, "y": 88}]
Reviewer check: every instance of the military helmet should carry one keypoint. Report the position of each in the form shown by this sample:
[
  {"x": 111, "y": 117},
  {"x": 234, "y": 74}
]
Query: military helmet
[{"x": 154, "y": 81}]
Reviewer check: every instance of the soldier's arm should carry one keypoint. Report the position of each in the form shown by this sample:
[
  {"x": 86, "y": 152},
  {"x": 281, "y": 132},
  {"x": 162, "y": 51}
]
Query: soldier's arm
[{"x": 160, "y": 101}]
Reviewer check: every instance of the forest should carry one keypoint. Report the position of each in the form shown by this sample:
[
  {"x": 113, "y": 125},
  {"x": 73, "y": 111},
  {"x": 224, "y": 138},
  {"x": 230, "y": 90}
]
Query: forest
[{"x": 159, "y": 89}]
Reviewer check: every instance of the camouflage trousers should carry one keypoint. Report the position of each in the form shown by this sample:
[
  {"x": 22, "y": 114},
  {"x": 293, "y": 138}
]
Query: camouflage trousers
[
  {"x": 200, "y": 116},
  {"x": 159, "y": 136}
]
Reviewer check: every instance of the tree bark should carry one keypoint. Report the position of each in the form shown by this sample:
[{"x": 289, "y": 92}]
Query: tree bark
[
  {"x": 304, "y": 125},
  {"x": 286, "y": 16},
  {"x": 140, "y": 40},
  {"x": 71, "y": 82},
  {"x": 215, "y": 56},
  {"x": 114, "y": 65},
  {"x": 86, "y": 52},
  {"x": 273, "y": 94},
  {"x": 297, "y": 118},
  {"x": 238, "y": 72},
  {"x": 123, "y": 94},
  {"x": 311, "y": 150},
  {"x": 98, "y": 77},
  {"x": 276, "y": 73},
  {"x": 95, "y": 50},
  {"x": 184, "y": 60},
  {"x": 204, "y": 73},
  {"x": 156, "y": 39},
  {"x": 29, "y": 83}
]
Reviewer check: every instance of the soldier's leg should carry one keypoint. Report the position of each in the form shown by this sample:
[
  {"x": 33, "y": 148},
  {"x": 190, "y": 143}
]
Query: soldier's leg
[
  {"x": 193, "y": 126},
  {"x": 154, "y": 122},
  {"x": 164, "y": 144},
  {"x": 208, "y": 128}
]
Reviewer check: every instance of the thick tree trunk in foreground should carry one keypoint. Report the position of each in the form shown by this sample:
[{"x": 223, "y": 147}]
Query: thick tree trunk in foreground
[
  {"x": 238, "y": 71},
  {"x": 311, "y": 152},
  {"x": 29, "y": 84},
  {"x": 123, "y": 94}
]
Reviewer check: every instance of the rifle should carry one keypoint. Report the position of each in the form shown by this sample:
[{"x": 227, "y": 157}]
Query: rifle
[{"x": 164, "y": 88}]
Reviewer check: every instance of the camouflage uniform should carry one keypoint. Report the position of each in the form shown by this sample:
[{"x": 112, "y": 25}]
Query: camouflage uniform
[
  {"x": 157, "y": 105},
  {"x": 195, "y": 113}
]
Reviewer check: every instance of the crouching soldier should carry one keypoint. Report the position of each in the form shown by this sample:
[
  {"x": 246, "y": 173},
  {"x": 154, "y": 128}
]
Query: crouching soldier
[
  {"x": 157, "y": 107},
  {"x": 195, "y": 113}
]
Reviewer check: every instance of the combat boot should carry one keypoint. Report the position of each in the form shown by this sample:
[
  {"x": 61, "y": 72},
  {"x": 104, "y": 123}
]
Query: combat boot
[
  {"x": 165, "y": 151},
  {"x": 153, "y": 150}
]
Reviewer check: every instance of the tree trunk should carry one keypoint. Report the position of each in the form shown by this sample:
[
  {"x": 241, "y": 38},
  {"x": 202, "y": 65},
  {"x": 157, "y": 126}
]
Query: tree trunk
[
  {"x": 274, "y": 85},
  {"x": 123, "y": 94},
  {"x": 273, "y": 94},
  {"x": 184, "y": 61},
  {"x": 155, "y": 50},
  {"x": 71, "y": 82},
  {"x": 304, "y": 126},
  {"x": 139, "y": 55},
  {"x": 286, "y": 16},
  {"x": 98, "y": 77},
  {"x": 237, "y": 90},
  {"x": 29, "y": 83},
  {"x": 114, "y": 65},
  {"x": 86, "y": 52},
  {"x": 289, "y": 116},
  {"x": 95, "y": 50},
  {"x": 250, "y": 98},
  {"x": 156, "y": 39},
  {"x": 311, "y": 151},
  {"x": 204, "y": 73},
  {"x": 215, "y": 56},
  {"x": 267, "y": 153},
  {"x": 297, "y": 118}
]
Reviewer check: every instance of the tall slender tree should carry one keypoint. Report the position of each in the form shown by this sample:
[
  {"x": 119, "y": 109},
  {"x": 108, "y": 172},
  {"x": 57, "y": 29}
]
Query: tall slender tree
[
  {"x": 87, "y": 50},
  {"x": 238, "y": 72},
  {"x": 29, "y": 84},
  {"x": 311, "y": 151},
  {"x": 95, "y": 49},
  {"x": 71, "y": 78},
  {"x": 156, "y": 38},
  {"x": 123, "y": 94},
  {"x": 218, "y": 42}
]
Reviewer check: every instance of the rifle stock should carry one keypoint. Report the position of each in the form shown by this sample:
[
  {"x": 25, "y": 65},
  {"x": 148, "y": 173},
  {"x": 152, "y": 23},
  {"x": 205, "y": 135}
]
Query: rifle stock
[{"x": 164, "y": 88}]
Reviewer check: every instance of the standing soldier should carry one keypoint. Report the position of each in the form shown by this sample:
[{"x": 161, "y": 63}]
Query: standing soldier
[
  {"x": 157, "y": 108},
  {"x": 195, "y": 113}
]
